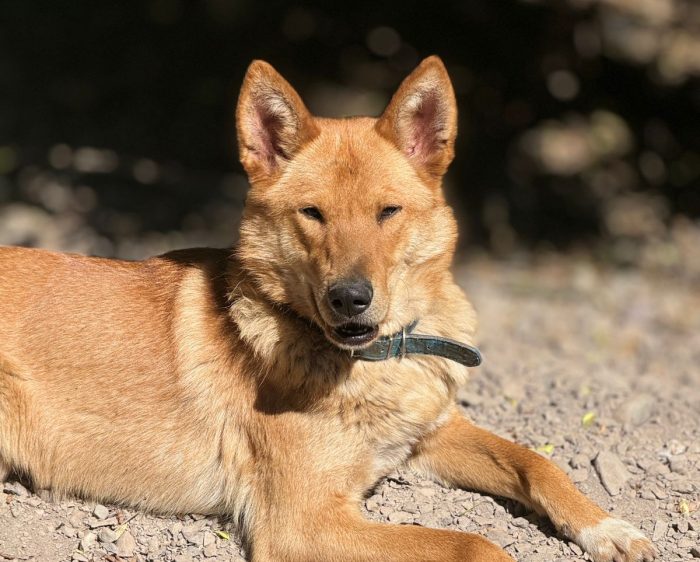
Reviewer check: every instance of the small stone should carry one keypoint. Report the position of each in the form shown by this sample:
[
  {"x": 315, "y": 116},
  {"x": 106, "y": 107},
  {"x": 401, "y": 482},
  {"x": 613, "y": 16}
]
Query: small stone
[
  {"x": 637, "y": 410},
  {"x": 425, "y": 507},
  {"x": 96, "y": 523},
  {"x": 579, "y": 475},
  {"x": 683, "y": 487},
  {"x": 612, "y": 472},
  {"x": 679, "y": 465},
  {"x": 660, "y": 528},
  {"x": 681, "y": 526},
  {"x": 523, "y": 548},
  {"x": 520, "y": 522},
  {"x": 76, "y": 519},
  {"x": 660, "y": 493},
  {"x": 675, "y": 447},
  {"x": 399, "y": 517},
  {"x": 100, "y": 511},
  {"x": 426, "y": 492},
  {"x": 193, "y": 534},
  {"x": 175, "y": 529},
  {"x": 68, "y": 531},
  {"x": 372, "y": 503},
  {"x": 88, "y": 541},
  {"x": 15, "y": 489},
  {"x": 184, "y": 557},
  {"x": 210, "y": 550},
  {"x": 79, "y": 557},
  {"x": 154, "y": 546},
  {"x": 695, "y": 552},
  {"x": 580, "y": 461},
  {"x": 109, "y": 547},
  {"x": 107, "y": 535},
  {"x": 657, "y": 468},
  {"x": 126, "y": 545},
  {"x": 576, "y": 549},
  {"x": 411, "y": 508},
  {"x": 208, "y": 539},
  {"x": 501, "y": 538}
]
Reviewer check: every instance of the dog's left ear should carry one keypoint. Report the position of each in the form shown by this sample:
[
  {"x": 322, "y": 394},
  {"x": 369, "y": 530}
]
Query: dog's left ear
[{"x": 421, "y": 118}]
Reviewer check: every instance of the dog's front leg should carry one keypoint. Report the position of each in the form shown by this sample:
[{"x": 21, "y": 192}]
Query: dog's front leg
[
  {"x": 463, "y": 455},
  {"x": 335, "y": 531}
]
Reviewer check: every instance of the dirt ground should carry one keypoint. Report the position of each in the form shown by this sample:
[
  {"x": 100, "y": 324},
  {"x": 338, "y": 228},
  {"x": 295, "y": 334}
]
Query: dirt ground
[{"x": 600, "y": 370}]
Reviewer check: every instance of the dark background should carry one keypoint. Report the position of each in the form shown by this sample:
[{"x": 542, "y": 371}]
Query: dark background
[{"x": 579, "y": 122}]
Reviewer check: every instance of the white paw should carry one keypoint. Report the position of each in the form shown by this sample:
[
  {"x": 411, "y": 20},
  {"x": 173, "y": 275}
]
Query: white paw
[{"x": 614, "y": 540}]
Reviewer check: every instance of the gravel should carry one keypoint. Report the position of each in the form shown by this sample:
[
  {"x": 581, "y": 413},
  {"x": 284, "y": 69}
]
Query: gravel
[{"x": 597, "y": 370}]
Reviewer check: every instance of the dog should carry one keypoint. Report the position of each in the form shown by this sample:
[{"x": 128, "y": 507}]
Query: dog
[{"x": 278, "y": 382}]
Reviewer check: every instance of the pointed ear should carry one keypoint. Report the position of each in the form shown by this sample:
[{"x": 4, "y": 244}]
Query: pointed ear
[
  {"x": 421, "y": 118},
  {"x": 272, "y": 122}
]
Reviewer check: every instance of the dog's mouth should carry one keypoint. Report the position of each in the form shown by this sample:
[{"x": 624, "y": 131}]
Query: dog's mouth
[{"x": 353, "y": 335}]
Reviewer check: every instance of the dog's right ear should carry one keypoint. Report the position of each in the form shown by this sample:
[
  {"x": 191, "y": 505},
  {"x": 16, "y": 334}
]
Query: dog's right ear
[{"x": 272, "y": 122}]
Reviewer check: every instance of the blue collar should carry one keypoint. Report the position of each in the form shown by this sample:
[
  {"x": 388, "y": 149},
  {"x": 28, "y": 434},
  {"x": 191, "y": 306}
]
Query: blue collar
[{"x": 406, "y": 343}]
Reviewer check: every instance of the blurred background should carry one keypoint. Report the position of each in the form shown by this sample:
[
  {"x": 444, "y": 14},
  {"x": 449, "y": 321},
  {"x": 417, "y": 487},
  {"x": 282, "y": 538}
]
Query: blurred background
[{"x": 579, "y": 121}]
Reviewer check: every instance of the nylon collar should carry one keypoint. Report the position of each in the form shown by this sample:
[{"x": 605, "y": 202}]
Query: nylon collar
[{"x": 406, "y": 343}]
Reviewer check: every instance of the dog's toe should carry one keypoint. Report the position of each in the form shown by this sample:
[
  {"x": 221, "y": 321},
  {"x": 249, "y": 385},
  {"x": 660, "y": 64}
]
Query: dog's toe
[{"x": 614, "y": 540}]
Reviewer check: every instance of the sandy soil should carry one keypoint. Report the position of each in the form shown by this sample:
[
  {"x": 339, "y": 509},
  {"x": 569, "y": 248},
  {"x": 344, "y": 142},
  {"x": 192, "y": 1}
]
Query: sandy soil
[{"x": 598, "y": 370}]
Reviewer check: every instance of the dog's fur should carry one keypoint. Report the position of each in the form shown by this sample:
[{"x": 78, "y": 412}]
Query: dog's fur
[{"x": 211, "y": 381}]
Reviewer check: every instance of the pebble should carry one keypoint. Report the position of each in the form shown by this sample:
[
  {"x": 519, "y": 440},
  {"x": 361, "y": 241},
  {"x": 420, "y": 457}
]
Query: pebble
[
  {"x": 501, "y": 538},
  {"x": 372, "y": 503},
  {"x": 193, "y": 533},
  {"x": 411, "y": 508},
  {"x": 210, "y": 550},
  {"x": 88, "y": 541},
  {"x": 580, "y": 461},
  {"x": 425, "y": 492},
  {"x": 107, "y": 535},
  {"x": 636, "y": 410},
  {"x": 660, "y": 528},
  {"x": 399, "y": 517},
  {"x": 579, "y": 475},
  {"x": 100, "y": 511},
  {"x": 15, "y": 489},
  {"x": 76, "y": 519},
  {"x": 126, "y": 545},
  {"x": 68, "y": 531},
  {"x": 96, "y": 523},
  {"x": 612, "y": 472},
  {"x": 683, "y": 487}
]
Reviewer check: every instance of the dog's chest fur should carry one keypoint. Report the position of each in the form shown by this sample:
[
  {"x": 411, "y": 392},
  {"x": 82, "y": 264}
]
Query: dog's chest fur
[{"x": 379, "y": 410}]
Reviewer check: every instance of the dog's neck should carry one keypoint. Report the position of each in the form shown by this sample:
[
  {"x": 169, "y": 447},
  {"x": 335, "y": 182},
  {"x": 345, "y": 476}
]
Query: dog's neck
[{"x": 297, "y": 346}]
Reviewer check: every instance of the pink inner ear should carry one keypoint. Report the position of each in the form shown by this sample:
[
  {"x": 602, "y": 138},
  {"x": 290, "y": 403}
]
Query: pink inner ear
[
  {"x": 266, "y": 130},
  {"x": 426, "y": 125}
]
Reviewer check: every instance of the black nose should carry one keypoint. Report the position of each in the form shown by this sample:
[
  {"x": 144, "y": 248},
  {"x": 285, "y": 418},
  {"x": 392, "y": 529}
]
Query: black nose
[{"x": 350, "y": 297}]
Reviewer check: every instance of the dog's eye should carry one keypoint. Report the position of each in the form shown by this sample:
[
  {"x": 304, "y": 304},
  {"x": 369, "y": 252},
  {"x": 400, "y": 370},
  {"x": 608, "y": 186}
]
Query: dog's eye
[
  {"x": 388, "y": 212},
  {"x": 313, "y": 213}
]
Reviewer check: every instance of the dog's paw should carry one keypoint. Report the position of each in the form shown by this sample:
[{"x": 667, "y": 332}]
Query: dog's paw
[{"x": 614, "y": 540}]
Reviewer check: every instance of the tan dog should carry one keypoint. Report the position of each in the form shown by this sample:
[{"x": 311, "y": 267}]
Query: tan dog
[{"x": 224, "y": 382}]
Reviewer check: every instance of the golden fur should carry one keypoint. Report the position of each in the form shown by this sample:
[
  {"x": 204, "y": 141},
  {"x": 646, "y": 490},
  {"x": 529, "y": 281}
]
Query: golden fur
[{"x": 208, "y": 381}]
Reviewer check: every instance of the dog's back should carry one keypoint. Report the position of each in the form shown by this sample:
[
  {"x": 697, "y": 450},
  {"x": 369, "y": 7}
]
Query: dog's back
[{"x": 96, "y": 357}]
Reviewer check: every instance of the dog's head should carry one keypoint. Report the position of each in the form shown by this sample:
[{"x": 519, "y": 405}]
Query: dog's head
[{"x": 345, "y": 221}]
